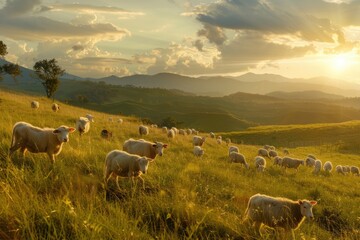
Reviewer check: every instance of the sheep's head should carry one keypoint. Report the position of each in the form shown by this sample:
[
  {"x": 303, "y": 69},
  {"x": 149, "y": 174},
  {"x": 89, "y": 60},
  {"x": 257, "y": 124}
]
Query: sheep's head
[{"x": 62, "y": 133}]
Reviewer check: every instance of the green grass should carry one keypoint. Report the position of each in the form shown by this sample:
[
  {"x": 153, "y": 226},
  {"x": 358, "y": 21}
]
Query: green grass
[{"x": 184, "y": 198}]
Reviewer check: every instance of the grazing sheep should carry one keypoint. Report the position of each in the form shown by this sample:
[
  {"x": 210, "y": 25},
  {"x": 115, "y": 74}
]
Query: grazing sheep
[
  {"x": 82, "y": 125},
  {"x": 267, "y": 147},
  {"x": 260, "y": 163},
  {"x": 55, "y": 107},
  {"x": 144, "y": 148},
  {"x": 106, "y": 134},
  {"x": 346, "y": 169},
  {"x": 272, "y": 153},
  {"x": 286, "y": 151},
  {"x": 143, "y": 130},
  {"x": 354, "y": 170},
  {"x": 35, "y": 104},
  {"x": 277, "y": 212},
  {"x": 278, "y": 161},
  {"x": 120, "y": 121},
  {"x": 310, "y": 162},
  {"x": 219, "y": 140},
  {"x": 182, "y": 132},
  {"x": 317, "y": 167},
  {"x": 339, "y": 169},
  {"x": 233, "y": 149},
  {"x": 34, "y": 139},
  {"x": 154, "y": 125},
  {"x": 164, "y": 129},
  {"x": 288, "y": 162},
  {"x": 263, "y": 152},
  {"x": 176, "y": 131},
  {"x": 122, "y": 164},
  {"x": 198, "y": 141},
  {"x": 90, "y": 117},
  {"x": 194, "y": 131},
  {"x": 110, "y": 119},
  {"x": 189, "y": 131},
  {"x": 328, "y": 166},
  {"x": 311, "y": 156},
  {"x": 198, "y": 151},
  {"x": 228, "y": 141},
  {"x": 212, "y": 135},
  {"x": 171, "y": 133},
  {"x": 236, "y": 157}
]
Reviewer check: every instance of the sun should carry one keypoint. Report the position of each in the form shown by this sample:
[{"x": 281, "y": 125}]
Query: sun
[{"x": 340, "y": 62}]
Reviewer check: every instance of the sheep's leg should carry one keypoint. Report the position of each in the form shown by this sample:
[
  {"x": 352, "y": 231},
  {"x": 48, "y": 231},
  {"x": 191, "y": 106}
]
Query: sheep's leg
[
  {"x": 117, "y": 182},
  {"x": 14, "y": 148},
  {"x": 23, "y": 151},
  {"x": 52, "y": 157}
]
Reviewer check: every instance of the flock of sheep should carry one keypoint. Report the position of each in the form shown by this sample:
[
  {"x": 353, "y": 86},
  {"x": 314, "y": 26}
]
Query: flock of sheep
[{"x": 133, "y": 161}]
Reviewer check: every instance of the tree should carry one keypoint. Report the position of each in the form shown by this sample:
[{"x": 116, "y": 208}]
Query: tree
[
  {"x": 169, "y": 122},
  {"x": 9, "y": 68},
  {"x": 49, "y": 72}
]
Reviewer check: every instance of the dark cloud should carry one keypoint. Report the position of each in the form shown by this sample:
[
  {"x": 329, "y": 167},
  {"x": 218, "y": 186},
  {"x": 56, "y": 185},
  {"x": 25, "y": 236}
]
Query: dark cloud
[
  {"x": 17, "y": 7},
  {"x": 77, "y": 48},
  {"x": 213, "y": 33},
  {"x": 198, "y": 44}
]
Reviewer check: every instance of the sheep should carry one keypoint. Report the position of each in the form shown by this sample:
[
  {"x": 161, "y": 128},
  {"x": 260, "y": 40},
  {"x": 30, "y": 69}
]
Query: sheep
[
  {"x": 194, "y": 131},
  {"x": 288, "y": 162},
  {"x": 238, "y": 158},
  {"x": 182, "y": 132},
  {"x": 267, "y": 147},
  {"x": 278, "y": 161},
  {"x": 35, "y": 104},
  {"x": 189, "y": 131},
  {"x": 339, "y": 169},
  {"x": 154, "y": 125},
  {"x": 110, "y": 119},
  {"x": 144, "y": 148},
  {"x": 310, "y": 162},
  {"x": 164, "y": 129},
  {"x": 171, "y": 133},
  {"x": 228, "y": 141},
  {"x": 143, "y": 130},
  {"x": 263, "y": 152},
  {"x": 212, "y": 135},
  {"x": 176, "y": 131},
  {"x": 233, "y": 149},
  {"x": 328, "y": 166},
  {"x": 355, "y": 170},
  {"x": 272, "y": 153},
  {"x": 317, "y": 167},
  {"x": 37, "y": 140},
  {"x": 198, "y": 151},
  {"x": 106, "y": 134},
  {"x": 198, "y": 141},
  {"x": 260, "y": 163},
  {"x": 55, "y": 107},
  {"x": 120, "y": 121},
  {"x": 219, "y": 140},
  {"x": 346, "y": 169},
  {"x": 82, "y": 125},
  {"x": 277, "y": 212},
  {"x": 311, "y": 156},
  {"x": 122, "y": 164},
  {"x": 286, "y": 151},
  {"x": 90, "y": 117}
]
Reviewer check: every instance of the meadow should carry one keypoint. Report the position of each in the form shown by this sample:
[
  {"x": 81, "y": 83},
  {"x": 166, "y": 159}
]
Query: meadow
[{"x": 185, "y": 197}]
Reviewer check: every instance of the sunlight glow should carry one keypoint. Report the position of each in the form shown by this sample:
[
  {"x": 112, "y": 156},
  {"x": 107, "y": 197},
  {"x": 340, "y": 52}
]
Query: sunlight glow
[{"x": 340, "y": 62}]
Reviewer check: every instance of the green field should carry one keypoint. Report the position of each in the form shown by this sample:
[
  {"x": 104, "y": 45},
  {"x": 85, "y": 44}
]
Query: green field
[{"x": 185, "y": 197}]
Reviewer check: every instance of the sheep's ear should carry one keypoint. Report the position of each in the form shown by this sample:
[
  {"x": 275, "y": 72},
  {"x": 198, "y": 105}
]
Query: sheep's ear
[
  {"x": 71, "y": 129},
  {"x": 165, "y": 145},
  {"x": 154, "y": 145},
  {"x": 300, "y": 202},
  {"x": 56, "y": 131},
  {"x": 313, "y": 203}
]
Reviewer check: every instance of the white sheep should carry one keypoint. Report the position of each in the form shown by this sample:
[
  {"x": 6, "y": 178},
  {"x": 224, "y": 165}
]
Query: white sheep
[
  {"x": 198, "y": 141},
  {"x": 328, "y": 166},
  {"x": 355, "y": 170},
  {"x": 260, "y": 163},
  {"x": 228, "y": 141},
  {"x": 339, "y": 169},
  {"x": 317, "y": 166},
  {"x": 164, "y": 129},
  {"x": 236, "y": 157},
  {"x": 182, "y": 132},
  {"x": 122, "y": 164},
  {"x": 120, "y": 121},
  {"x": 55, "y": 107},
  {"x": 144, "y": 148},
  {"x": 90, "y": 117},
  {"x": 176, "y": 131},
  {"x": 212, "y": 135},
  {"x": 286, "y": 151},
  {"x": 346, "y": 169},
  {"x": 189, "y": 131},
  {"x": 263, "y": 152},
  {"x": 233, "y": 149},
  {"x": 311, "y": 156},
  {"x": 219, "y": 140},
  {"x": 36, "y": 140},
  {"x": 273, "y": 153},
  {"x": 143, "y": 130},
  {"x": 35, "y": 104},
  {"x": 278, "y": 161},
  {"x": 310, "y": 162},
  {"x": 171, "y": 133},
  {"x": 288, "y": 162},
  {"x": 82, "y": 125},
  {"x": 198, "y": 151}
]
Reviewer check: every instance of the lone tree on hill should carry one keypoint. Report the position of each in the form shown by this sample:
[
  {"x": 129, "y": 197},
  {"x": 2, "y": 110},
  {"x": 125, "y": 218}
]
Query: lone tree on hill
[
  {"x": 49, "y": 72},
  {"x": 9, "y": 68}
]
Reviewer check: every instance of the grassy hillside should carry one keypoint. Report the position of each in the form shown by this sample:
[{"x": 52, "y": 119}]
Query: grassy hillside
[{"x": 185, "y": 197}]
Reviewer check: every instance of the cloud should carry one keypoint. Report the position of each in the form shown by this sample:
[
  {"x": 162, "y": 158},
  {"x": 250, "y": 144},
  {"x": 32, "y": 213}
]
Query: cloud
[
  {"x": 213, "y": 34},
  {"x": 17, "y": 7}
]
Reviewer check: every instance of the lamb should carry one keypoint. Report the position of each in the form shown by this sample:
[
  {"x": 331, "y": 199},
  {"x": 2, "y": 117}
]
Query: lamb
[
  {"x": 263, "y": 152},
  {"x": 90, "y": 117},
  {"x": 219, "y": 140},
  {"x": 55, "y": 107},
  {"x": 82, "y": 125},
  {"x": 164, "y": 129},
  {"x": 328, "y": 166},
  {"x": 339, "y": 169},
  {"x": 144, "y": 148},
  {"x": 106, "y": 134},
  {"x": 143, "y": 130},
  {"x": 278, "y": 161},
  {"x": 310, "y": 162},
  {"x": 122, "y": 164},
  {"x": 36, "y": 140},
  {"x": 198, "y": 141},
  {"x": 277, "y": 212},
  {"x": 272, "y": 153},
  {"x": 260, "y": 163},
  {"x": 35, "y": 104},
  {"x": 198, "y": 151},
  {"x": 233, "y": 149},
  {"x": 355, "y": 170},
  {"x": 238, "y": 158},
  {"x": 171, "y": 133},
  {"x": 288, "y": 162},
  {"x": 317, "y": 166}
]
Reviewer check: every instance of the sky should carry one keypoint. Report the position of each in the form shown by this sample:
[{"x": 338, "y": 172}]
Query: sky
[{"x": 88, "y": 38}]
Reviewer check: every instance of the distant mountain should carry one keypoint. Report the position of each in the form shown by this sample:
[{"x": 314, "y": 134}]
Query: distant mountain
[{"x": 304, "y": 95}]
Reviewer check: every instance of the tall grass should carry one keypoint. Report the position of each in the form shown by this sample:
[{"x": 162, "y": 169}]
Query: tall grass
[{"x": 185, "y": 197}]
